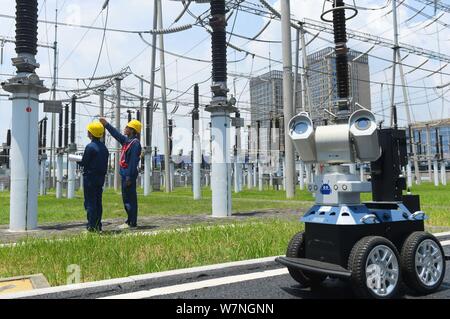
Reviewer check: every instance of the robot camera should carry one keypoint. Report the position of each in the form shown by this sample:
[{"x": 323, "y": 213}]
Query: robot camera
[
  {"x": 363, "y": 128},
  {"x": 301, "y": 131}
]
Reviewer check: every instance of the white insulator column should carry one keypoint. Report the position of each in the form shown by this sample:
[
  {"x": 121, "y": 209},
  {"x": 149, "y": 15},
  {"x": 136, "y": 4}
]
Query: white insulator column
[
  {"x": 172, "y": 176},
  {"x": 250, "y": 176},
  {"x": 71, "y": 177},
  {"x": 24, "y": 152},
  {"x": 207, "y": 179},
  {"x": 111, "y": 180},
  {"x": 196, "y": 168},
  {"x": 236, "y": 175},
  {"x": 301, "y": 179},
  {"x": 361, "y": 172},
  {"x": 59, "y": 175},
  {"x": 409, "y": 174},
  {"x": 308, "y": 168},
  {"x": 255, "y": 174},
  {"x": 41, "y": 177},
  {"x": 260, "y": 178},
  {"x": 443, "y": 174},
  {"x": 436, "y": 172},
  {"x": 147, "y": 172},
  {"x": 81, "y": 181},
  {"x": 220, "y": 164}
]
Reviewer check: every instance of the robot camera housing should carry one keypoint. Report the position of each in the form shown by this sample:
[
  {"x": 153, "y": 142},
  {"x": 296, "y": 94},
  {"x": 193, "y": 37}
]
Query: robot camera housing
[
  {"x": 301, "y": 131},
  {"x": 363, "y": 129}
]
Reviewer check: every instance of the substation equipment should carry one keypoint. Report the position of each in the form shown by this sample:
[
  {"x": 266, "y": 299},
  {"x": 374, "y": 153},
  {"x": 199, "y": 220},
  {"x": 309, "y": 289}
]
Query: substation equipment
[{"x": 375, "y": 245}]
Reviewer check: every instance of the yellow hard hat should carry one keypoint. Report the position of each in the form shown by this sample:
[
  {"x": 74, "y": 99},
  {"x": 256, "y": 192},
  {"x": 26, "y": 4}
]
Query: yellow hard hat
[
  {"x": 96, "y": 129},
  {"x": 136, "y": 125}
]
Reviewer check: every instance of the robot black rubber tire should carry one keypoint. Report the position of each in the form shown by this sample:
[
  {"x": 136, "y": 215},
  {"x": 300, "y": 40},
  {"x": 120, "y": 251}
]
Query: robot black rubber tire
[
  {"x": 375, "y": 261},
  {"x": 424, "y": 248},
  {"x": 296, "y": 249}
]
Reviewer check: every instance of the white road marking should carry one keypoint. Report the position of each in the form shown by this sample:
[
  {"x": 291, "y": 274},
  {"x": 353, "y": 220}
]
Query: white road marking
[
  {"x": 199, "y": 284},
  {"x": 445, "y": 243},
  {"x": 442, "y": 234}
]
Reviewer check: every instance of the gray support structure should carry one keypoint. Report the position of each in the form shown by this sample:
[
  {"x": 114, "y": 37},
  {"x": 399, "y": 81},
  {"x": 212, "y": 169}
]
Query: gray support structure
[
  {"x": 220, "y": 109},
  {"x": 287, "y": 96},
  {"x": 394, "y": 59},
  {"x": 197, "y": 151},
  {"x": 149, "y": 110},
  {"x": 71, "y": 173},
  {"x": 25, "y": 88},
  {"x": 167, "y": 181},
  {"x": 117, "y": 144}
]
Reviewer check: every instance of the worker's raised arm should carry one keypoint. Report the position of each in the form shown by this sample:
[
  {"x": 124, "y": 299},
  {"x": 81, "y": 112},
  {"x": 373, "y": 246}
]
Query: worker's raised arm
[{"x": 122, "y": 139}]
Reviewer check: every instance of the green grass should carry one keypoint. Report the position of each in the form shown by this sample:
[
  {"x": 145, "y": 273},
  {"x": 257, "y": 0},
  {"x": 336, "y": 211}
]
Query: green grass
[
  {"x": 435, "y": 202},
  {"x": 179, "y": 202},
  {"x": 104, "y": 256}
]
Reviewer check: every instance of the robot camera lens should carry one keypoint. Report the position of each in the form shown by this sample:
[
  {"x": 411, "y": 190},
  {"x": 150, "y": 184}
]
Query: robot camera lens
[
  {"x": 300, "y": 127},
  {"x": 363, "y": 123}
]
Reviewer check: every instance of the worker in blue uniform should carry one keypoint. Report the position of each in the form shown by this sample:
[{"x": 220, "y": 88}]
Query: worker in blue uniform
[
  {"x": 95, "y": 166},
  {"x": 129, "y": 160}
]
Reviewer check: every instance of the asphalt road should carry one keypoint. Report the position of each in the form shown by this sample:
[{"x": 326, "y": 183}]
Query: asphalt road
[{"x": 268, "y": 280}]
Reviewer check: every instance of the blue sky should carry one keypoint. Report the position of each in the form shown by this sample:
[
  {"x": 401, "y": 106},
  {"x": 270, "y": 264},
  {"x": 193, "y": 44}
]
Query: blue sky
[{"x": 78, "y": 52}]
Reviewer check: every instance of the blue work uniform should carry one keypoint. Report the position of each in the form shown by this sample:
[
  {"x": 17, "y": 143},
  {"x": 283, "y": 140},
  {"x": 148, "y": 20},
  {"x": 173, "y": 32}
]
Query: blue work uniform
[
  {"x": 129, "y": 173},
  {"x": 95, "y": 166}
]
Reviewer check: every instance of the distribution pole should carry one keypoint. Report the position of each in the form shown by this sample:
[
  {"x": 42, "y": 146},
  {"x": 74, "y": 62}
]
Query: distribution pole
[
  {"x": 43, "y": 185},
  {"x": 163, "y": 100},
  {"x": 408, "y": 118},
  {"x": 171, "y": 164},
  {"x": 25, "y": 88},
  {"x": 101, "y": 92},
  {"x": 59, "y": 159},
  {"x": 258, "y": 157},
  {"x": 297, "y": 51},
  {"x": 238, "y": 160},
  {"x": 287, "y": 96},
  {"x": 71, "y": 174},
  {"x": 55, "y": 79},
  {"x": 40, "y": 148},
  {"x": 250, "y": 164},
  {"x": 197, "y": 150},
  {"x": 394, "y": 59},
  {"x": 220, "y": 109},
  {"x": 117, "y": 144},
  {"x": 443, "y": 173},
  {"x": 149, "y": 110},
  {"x": 436, "y": 159},
  {"x": 305, "y": 76},
  {"x": 140, "y": 112}
]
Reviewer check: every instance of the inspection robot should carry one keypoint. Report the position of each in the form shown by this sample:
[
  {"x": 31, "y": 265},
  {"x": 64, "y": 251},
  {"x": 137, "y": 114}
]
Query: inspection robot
[{"x": 375, "y": 245}]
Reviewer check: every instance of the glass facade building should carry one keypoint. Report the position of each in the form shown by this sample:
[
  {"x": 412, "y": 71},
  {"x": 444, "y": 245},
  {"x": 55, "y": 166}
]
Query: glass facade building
[{"x": 266, "y": 106}]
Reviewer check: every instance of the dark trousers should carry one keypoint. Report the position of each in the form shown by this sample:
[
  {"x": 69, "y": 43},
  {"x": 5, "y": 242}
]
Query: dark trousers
[
  {"x": 93, "y": 203},
  {"x": 129, "y": 197}
]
